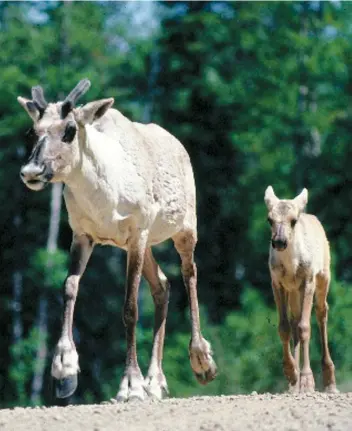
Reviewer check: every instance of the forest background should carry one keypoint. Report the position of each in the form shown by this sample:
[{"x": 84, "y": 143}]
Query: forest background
[{"x": 259, "y": 93}]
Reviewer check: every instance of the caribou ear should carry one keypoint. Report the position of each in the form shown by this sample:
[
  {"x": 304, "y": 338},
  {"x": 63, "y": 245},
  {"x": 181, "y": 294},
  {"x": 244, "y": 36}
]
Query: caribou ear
[
  {"x": 270, "y": 198},
  {"x": 302, "y": 199},
  {"x": 30, "y": 107},
  {"x": 93, "y": 110}
]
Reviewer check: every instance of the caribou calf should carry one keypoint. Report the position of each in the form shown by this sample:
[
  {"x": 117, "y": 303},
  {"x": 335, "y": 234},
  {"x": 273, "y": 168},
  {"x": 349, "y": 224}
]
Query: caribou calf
[
  {"x": 128, "y": 185},
  {"x": 299, "y": 263}
]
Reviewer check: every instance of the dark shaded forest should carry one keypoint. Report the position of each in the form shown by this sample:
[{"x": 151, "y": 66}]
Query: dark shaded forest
[{"x": 259, "y": 93}]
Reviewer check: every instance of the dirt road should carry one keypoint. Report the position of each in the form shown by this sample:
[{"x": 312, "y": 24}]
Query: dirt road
[{"x": 254, "y": 412}]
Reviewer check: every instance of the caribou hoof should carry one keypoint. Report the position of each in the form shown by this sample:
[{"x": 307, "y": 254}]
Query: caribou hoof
[
  {"x": 307, "y": 382},
  {"x": 132, "y": 386},
  {"x": 202, "y": 363},
  {"x": 207, "y": 376},
  {"x": 292, "y": 375},
  {"x": 293, "y": 388},
  {"x": 331, "y": 389},
  {"x": 156, "y": 386},
  {"x": 66, "y": 386}
]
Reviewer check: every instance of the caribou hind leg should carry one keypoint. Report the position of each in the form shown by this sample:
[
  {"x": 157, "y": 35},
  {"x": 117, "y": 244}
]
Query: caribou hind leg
[
  {"x": 65, "y": 366},
  {"x": 155, "y": 382},
  {"x": 200, "y": 352},
  {"x": 132, "y": 383},
  {"x": 321, "y": 308}
]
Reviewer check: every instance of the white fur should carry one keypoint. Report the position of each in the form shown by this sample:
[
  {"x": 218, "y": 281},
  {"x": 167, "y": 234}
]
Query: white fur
[
  {"x": 125, "y": 183},
  {"x": 65, "y": 361},
  {"x": 130, "y": 176},
  {"x": 305, "y": 249}
]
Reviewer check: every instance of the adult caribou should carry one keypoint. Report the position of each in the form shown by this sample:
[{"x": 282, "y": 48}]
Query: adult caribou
[{"x": 128, "y": 185}]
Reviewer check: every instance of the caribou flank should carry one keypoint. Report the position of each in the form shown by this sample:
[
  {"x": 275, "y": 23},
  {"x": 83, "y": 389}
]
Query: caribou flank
[
  {"x": 299, "y": 263},
  {"x": 129, "y": 185}
]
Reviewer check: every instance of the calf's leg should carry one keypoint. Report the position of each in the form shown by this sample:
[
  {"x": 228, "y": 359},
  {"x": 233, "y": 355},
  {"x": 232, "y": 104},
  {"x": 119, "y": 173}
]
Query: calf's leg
[
  {"x": 65, "y": 366},
  {"x": 321, "y": 308},
  {"x": 155, "y": 382},
  {"x": 294, "y": 301},
  {"x": 289, "y": 366},
  {"x": 307, "y": 383},
  {"x": 200, "y": 352}
]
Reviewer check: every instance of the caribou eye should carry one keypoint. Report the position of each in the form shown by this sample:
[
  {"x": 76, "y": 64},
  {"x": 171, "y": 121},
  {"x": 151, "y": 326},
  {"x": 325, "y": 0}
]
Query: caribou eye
[
  {"x": 293, "y": 222},
  {"x": 66, "y": 108},
  {"x": 31, "y": 138},
  {"x": 270, "y": 220},
  {"x": 70, "y": 132}
]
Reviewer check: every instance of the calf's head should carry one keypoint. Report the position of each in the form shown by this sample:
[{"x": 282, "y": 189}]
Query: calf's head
[
  {"x": 55, "y": 134},
  {"x": 282, "y": 216}
]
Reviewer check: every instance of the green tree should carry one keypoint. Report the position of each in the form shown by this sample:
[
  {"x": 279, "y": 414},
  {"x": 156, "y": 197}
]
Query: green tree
[{"x": 258, "y": 92}]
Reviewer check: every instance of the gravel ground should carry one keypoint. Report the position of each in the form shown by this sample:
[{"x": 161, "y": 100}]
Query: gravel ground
[{"x": 265, "y": 412}]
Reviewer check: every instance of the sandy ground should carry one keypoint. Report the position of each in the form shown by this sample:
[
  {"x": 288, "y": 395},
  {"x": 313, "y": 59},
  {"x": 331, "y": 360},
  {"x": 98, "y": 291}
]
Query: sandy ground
[{"x": 265, "y": 412}]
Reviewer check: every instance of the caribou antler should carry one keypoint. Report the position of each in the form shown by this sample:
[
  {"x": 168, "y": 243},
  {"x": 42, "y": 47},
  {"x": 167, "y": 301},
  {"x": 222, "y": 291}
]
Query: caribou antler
[
  {"x": 81, "y": 88},
  {"x": 39, "y": 99}
]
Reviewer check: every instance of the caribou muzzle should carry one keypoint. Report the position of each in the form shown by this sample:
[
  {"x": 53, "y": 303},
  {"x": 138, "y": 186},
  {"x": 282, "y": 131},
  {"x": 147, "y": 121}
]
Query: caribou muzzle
[
  {"x": 279, "y": 240},
  {"x": 279, "y": 244},
  {"x": 35, "y": 177}
]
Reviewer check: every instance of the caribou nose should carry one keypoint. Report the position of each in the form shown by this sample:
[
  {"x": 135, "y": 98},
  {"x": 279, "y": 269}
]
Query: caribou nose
[
  {"x": 30, "y": 172},
  {"x": 279, "y": 244}
]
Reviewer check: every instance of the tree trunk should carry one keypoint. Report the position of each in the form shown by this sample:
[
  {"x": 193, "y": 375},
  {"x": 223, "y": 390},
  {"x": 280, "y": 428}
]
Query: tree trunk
[
  {"x": 152, "y": 79},
  {"x": 300, "y": 138},
  {"x": 42, "y": 313},
  {"x": 17, "y": 277}
]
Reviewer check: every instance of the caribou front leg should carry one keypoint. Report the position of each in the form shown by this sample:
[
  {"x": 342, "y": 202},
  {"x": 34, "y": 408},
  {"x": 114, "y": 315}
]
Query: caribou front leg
[
  {"x": 132, "y": 384},
  {"x": 290, "y": 366},
  {"x": 200, "y": 352},
  {"x": 307, "y": 383},
  {"x": 65, "y": 366}
]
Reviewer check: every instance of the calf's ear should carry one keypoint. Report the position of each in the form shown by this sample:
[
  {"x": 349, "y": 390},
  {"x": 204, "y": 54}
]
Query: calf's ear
[
  {"x": 270, "y": 198},
  {"x": 302, "y": 199}
]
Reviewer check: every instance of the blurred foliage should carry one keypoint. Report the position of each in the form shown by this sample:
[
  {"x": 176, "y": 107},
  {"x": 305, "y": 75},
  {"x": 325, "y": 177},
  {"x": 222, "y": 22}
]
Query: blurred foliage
[
  {"x": 49, "y": 267},
  {"x": 21, "y": 368},
  {"x": 259, "y": 93}
]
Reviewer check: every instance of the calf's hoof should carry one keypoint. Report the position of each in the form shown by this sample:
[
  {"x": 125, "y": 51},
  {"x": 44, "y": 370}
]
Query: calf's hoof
[
  {"x": 331, "y": 389},
  {"x": 293, "y": 388},
  {"x": 307, "y": 383},
  {"x": 291, "y": 374},
  {"x": 66, "y": 386}
]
